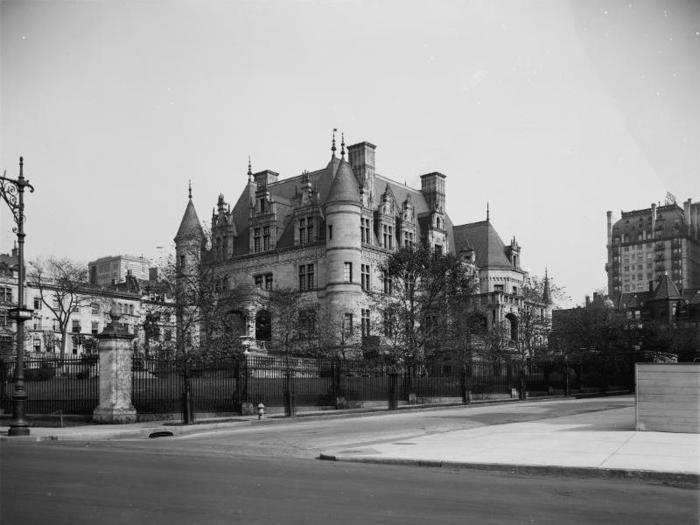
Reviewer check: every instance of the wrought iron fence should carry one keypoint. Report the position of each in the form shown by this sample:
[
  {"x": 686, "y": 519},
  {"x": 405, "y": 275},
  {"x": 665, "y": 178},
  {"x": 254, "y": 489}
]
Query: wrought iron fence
[
  {"x": 71, "y": 385},
  {"x": 54, "y": 385}
]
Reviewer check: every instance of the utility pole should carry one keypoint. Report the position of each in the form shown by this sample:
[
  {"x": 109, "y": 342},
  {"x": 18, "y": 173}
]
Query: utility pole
[{"x": 12, "y": 192}]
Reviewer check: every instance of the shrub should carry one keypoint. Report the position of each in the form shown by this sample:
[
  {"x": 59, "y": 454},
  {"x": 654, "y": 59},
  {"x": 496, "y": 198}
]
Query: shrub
[{"x": 43, "y": 373}]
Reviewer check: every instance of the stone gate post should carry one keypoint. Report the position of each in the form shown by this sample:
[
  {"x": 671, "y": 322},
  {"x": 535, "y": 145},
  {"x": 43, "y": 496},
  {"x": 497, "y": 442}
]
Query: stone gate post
[{"x": 115, "y": 373}]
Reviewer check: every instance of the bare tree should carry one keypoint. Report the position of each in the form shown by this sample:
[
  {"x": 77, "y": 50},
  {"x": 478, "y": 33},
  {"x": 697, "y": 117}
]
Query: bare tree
[
  {"x": 426, "y": 308},
  {"x": 62, "y": 287}
]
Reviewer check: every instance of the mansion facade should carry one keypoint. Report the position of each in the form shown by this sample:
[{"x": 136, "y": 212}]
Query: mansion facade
[{"x": 327, "y": 233}]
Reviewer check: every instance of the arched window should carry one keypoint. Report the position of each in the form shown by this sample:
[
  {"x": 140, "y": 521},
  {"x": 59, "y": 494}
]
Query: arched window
[{"x": 263, "y": 326}]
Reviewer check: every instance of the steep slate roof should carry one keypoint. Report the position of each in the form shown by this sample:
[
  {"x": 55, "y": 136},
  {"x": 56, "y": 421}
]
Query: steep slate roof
[
  {"x": 190, "y": 227},
  {"x": 489, "y": 248},
  {"x": 284, "y": 191}
]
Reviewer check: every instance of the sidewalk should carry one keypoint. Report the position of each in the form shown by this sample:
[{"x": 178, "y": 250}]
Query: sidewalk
[
  {"x": 601, "y": 444},
  {"x": 95, "y": 432}
]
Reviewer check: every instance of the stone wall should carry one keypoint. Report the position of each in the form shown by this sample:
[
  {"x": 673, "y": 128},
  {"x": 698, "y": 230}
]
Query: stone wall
[{"x": 668, "y": 397}]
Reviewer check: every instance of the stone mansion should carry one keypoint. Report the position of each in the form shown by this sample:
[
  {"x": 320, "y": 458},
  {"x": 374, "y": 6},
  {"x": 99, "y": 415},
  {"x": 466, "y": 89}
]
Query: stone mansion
[{"x": 327, "y": 232}]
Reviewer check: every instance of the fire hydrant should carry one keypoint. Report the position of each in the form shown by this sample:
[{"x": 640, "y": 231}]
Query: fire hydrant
[{"x": 261, "y": 410}]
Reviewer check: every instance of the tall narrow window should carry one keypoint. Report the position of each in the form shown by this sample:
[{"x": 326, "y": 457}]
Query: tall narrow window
[
  {"x": 385, "y": 236},
  {"x": 266, "y": 238},
  {"x": 347, "y": 272},
  {"x": 268, "y": 281},
  {"x": 364, "y": 231},
  {"x": 388, "y": 324},
  {"x": 365, "y": 323},
  {"x": 259, "y": 281},
  {"x": 388, "y": 284},
  {"x": 364, "y": 275},
  {"x": 310, "y": 276},
  {"x": 347, "y": 325},
  {"x": 256, "y": 240},
  {"x": 330, "y": 232},
  {"x": 302, "y": 231},
  {"x": 391, "y": 237},
  {"x": 310, "y": 230},
  {"x": 302, "y": 277}
]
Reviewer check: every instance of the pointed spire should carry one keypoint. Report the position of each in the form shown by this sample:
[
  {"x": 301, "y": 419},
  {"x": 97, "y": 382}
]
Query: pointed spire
[
  {"x": 250, "y": 170},
  {"x": 546, "y": 293},
  {"x": 333, "y": 142},
  {"x": 487, "y": 211},
  {"x": 342, "y": 145},
  {"x": 190, "y": 190}
]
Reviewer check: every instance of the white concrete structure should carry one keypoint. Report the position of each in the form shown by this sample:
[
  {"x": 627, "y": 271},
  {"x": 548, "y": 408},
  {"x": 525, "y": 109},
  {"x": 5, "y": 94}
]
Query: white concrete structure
[{"x": 668, "y": 397}]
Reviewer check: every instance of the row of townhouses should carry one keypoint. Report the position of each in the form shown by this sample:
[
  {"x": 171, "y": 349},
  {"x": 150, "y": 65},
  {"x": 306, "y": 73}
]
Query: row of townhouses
[{"x": 145, "y": 309}]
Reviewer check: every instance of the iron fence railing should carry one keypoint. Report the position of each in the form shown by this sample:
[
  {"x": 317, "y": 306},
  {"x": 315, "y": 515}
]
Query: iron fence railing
[
  {"x": 71, "y": 385},
  {"x": 54, "y": 385}
]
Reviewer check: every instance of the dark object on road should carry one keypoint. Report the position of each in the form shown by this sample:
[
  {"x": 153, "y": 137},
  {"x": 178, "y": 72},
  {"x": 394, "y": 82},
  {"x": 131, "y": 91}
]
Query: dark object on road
[{"x": 160, "y": 434}]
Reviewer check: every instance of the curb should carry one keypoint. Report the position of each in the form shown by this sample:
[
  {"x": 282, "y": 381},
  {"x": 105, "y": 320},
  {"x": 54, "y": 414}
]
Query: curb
[{"x": 676, "y": 479}]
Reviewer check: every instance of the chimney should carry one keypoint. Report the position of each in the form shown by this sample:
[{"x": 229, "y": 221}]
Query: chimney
[
  {"x": 653, "y": 220},
  {"x": 432, "y": 186},
  {"x": 609, "y": 214},
  {"x": 265, "y": 177},
  {"x": 588, "y": 301},
  {"x": 686, "y": 212}
]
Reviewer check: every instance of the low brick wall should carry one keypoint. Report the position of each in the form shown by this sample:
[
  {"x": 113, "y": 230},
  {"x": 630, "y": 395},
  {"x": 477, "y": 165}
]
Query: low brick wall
[{"x": 668, "y": 397}]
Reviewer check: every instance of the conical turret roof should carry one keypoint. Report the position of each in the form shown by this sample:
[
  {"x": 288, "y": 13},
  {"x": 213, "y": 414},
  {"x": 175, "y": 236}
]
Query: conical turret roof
[
  {"x": 666, "y": 289},
  {"x": 190, "y": 227},
  {"x": 344, "y": 186}
]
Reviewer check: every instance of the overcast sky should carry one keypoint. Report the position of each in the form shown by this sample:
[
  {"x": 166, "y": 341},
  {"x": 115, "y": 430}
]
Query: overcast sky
[{"x": 552, "y": 111}]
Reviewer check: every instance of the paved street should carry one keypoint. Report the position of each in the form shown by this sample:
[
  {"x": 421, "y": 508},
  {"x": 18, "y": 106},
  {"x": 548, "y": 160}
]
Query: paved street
[
  {"x": 267, "y": 473},
  {"x": 73, "y": 483}
]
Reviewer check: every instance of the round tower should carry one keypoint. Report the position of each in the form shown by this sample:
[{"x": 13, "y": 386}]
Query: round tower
[
  {"x": 189, "y": 240},
  {"x": 343, "y": 247},
  {"x": 189, "y": 243}
]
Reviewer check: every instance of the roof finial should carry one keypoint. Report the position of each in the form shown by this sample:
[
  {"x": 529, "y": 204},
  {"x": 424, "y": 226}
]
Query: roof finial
[
  {"x": 190, "y": 190},
  {"x": 487, "y": 211},
  {"x": 250, "y": 170},
  {"x": 342, "y": 145},
  {"x": 333, "y": 142}
]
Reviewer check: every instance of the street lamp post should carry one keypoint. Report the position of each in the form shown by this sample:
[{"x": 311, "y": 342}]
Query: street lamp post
[{"x": 12, "y": 192}]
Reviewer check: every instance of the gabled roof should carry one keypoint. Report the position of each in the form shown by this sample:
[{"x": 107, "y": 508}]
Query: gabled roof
[
  {"x": 666, "y": 289},
  {"x": 190, "y": 227},
  {"x": 489, "y": 248}
]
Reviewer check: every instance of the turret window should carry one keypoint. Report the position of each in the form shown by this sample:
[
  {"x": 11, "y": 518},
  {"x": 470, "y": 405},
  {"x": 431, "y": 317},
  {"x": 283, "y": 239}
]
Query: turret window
[
  {"x": 347, "y": 272},
  {"x": 365, "y": 323}
]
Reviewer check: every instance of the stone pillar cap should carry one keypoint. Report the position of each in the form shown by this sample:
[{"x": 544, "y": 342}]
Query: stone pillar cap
[{"x": 115, "y": 329}]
